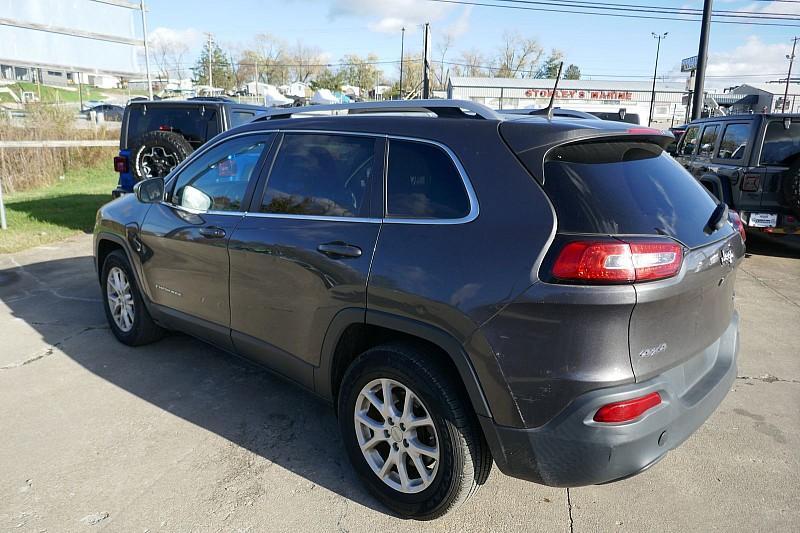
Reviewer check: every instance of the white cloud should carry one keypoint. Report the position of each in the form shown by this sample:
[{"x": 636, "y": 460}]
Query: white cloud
[
  {"x": 460, "y": 25},
  {"x": 188, "y": 36},
  {"x": 389, "y": 16},
  {"x": 754, "y": 57}
]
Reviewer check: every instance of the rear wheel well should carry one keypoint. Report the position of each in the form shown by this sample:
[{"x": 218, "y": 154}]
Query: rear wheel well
[
  {"x": 358, "y": 338},
  {"x": 105, "y": 247}
]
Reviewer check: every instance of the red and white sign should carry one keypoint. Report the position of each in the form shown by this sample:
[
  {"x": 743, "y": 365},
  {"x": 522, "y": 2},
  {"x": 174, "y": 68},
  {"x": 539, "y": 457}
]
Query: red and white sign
[{"x": 579, "y": 94}]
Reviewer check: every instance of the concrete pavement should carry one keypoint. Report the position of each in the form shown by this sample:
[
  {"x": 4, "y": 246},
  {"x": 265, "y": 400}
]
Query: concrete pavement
[{"x": 180, "y": 436}]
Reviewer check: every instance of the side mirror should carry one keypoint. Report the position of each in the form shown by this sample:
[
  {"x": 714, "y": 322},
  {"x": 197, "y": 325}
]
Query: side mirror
[{"x": 149, "y": 191}]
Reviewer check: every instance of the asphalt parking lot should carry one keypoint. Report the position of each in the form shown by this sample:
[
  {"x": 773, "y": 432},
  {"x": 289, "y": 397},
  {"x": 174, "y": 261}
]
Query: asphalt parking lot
[{"x": 179, "y": 436}]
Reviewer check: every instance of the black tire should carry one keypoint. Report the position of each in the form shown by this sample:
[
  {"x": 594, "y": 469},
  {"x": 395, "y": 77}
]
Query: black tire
[
  {"x": 143, "y": 329},
  {"x": 170, "y": 149},
  {"x": 791, "y": 187},
  {"x": 464, "y": 457}
]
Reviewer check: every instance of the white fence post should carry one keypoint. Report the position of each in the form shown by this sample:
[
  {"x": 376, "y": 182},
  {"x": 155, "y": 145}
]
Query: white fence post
[{"x": 3, "y": 224}]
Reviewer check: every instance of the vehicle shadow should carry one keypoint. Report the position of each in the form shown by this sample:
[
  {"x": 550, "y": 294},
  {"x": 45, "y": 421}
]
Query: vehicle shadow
[
  {"x": 773, "y": 246},
  {"x": 73, "y": 211},
  {"x": 235, "y": 399}
]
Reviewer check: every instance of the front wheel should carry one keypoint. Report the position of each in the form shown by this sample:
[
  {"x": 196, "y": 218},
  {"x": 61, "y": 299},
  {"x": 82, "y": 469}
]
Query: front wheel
[
  {"x": 410, "y": 433},
  {"x": 126, "y": 313}
]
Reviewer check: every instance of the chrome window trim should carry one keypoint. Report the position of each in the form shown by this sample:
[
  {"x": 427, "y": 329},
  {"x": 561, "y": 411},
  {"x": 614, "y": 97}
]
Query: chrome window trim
[
  {"x": 320, "y": 218},
  {"x": 473, "y": 213},
  {"x": 474, "y": 208}
]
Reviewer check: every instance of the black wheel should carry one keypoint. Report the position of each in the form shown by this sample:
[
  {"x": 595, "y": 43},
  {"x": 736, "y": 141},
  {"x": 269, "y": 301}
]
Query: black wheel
[
  {"x": 410, "y": 432},
  {"x": 791, "y": 187},
  {"x": 126, "y": 313},
  {"x": 156, "y": 153}
]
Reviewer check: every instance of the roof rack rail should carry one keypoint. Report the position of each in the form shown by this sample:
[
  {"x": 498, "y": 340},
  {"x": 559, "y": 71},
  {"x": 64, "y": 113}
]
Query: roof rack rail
[{"x": 440, "y": 107}]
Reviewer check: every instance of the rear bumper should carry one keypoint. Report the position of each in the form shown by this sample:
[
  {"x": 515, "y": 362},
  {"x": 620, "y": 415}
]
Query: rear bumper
[{"x": 574, "y": 450}]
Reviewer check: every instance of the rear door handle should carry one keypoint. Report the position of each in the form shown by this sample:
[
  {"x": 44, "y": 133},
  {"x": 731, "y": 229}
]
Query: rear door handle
[
  {"x": 212, "y": 232},
  {"x": 339, "y": 249}
]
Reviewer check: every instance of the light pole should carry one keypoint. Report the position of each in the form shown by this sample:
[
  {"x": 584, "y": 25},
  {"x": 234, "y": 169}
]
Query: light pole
[
  {"x": 402, "y": 44},
  {"x": 658, "y": 36},
  {"x": 146, "y": 50},
  {"x": 789, "y": 75}
]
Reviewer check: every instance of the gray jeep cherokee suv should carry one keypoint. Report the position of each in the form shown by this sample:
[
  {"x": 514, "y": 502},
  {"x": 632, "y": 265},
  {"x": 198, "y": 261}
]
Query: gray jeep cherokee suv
[{"x": 555, "y": 297}]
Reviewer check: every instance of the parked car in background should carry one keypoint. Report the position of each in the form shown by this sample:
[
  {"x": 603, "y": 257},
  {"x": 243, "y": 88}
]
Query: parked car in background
[
  {"x": 157, "y": 135},
  {"x": 109, "y": 112},
  {"x": 618, "y": 116},
  {"x": 464, "y": 287},
  {"x": 752, "y": 163}
]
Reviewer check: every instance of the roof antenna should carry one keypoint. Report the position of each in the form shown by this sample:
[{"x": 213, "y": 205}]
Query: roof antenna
[{"x": 553, "y": 96}]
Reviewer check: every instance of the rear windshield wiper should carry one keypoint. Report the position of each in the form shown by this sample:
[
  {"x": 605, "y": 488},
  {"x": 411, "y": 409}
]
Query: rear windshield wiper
[{"x": 717, "y": 218}]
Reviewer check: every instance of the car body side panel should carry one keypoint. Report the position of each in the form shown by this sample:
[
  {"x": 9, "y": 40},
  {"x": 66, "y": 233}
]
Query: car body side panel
[{"x": 457, "y": 276}]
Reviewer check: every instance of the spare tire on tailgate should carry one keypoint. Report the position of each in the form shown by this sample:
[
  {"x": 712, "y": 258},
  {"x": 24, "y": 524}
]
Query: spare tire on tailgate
[
  {"x": 155, "y": 153},
  {"x": 791, "y": 187}
]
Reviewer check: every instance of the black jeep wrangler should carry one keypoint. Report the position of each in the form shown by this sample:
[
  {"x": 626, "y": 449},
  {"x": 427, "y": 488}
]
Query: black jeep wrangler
[
  {"x": 752, "y": 163},
  {"x": 157, "y": 135}
]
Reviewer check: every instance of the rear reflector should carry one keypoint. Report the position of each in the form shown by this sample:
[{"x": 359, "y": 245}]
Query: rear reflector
[
  {"x": 627, "y": 410},
  {"x": 618, "y": 261},
  {"x": 751, "y": 182},
  {"x": 120, "y": 164}
]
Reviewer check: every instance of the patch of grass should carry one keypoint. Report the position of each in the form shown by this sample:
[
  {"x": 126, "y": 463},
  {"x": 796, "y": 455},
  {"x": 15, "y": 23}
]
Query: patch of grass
[
  {"x": 49, "y": 214},
  {"x": 55, "y": 94}
]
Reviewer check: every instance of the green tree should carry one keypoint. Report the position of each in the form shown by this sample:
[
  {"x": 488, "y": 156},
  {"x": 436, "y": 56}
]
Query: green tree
[
  {"x": 360, "y": 72},
  {"x": 222, "y": 74},
  {"x": 327, "y": 79},
  {"x": 549, "y": 67},
  {"x": 572, "y": 73}
]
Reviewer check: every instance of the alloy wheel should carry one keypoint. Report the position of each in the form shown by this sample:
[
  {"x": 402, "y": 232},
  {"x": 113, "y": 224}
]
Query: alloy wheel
[
  {"x": 396, "y": 435},
  {"x": 120, "y": 298}
]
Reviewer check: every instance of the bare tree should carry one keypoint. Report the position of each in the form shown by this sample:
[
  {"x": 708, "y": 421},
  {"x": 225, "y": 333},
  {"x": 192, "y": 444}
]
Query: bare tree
[
  {"x": 169, "y": 55},
  {"x": 473, "y": 64},
  {"x": 517, "y": 56},
  {"x": 306, "y": 62},
  {"x": 442, "y": 48}
]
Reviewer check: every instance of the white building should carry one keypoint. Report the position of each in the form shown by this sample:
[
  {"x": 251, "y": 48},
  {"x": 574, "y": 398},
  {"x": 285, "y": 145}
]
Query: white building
[
  {"x": 582, "y": 95},
  {"x": 766, "y": 97}
]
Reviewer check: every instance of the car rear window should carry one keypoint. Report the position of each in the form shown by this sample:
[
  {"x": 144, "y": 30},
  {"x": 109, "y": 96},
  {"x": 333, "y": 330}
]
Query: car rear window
[
  {"x": 626, "y": 187},
  {"x": 197, "y": 124},
  {"x": 781, "y": 145}
]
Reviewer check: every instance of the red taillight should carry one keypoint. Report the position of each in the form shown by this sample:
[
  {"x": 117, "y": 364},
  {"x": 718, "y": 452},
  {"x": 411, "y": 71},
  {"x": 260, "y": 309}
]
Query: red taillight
[
  {"x": 164, "y": 128},
  {"x": 736, "y": 220},
  {"x": 618, "y": 261},
  {"x": 627, "y": 410},
  {"x": 120, "y": 164},
  {"x": 751, "y": 183}
]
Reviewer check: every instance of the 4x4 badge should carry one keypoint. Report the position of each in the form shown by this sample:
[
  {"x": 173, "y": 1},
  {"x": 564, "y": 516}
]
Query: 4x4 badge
[{"x": 726, "y": 256}]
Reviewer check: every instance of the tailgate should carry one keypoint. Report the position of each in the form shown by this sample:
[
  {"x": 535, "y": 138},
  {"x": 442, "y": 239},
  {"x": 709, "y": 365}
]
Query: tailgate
[{"x": 677, "y": 318}]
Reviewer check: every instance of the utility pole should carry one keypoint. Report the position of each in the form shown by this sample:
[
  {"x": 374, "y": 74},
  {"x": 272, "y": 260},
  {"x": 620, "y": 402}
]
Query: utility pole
[
  {"x": 210, "y": 54},
  {"x": 402, "y": 44},
  {"x": 426, "y": 44},
  {"x": 146, "y": 50},
  {"x": 702, "y": 59},
  {"x": 789, "y": 75},
  {"x": 655, "y": 71},
  {"x": 257, "y": 79}
]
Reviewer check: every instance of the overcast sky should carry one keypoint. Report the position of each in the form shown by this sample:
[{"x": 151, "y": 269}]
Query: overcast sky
[{"x": 601, "y": 46}]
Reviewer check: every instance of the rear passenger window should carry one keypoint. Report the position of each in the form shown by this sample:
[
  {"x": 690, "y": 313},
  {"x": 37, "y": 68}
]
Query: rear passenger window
[
  {"x": 781, "y": 145},
  {"x": 323, "y": 175},
  {"x": 423, "y": 182},
  {"x": 734, "y": 141},
  {"x": 708, "y": 140},
  {"x": 689, "y": 141}
]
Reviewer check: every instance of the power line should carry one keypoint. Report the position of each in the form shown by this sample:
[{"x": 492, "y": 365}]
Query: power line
[
  {"x": 586, "y": 4},
  {"x": 598, "y": 14}
]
